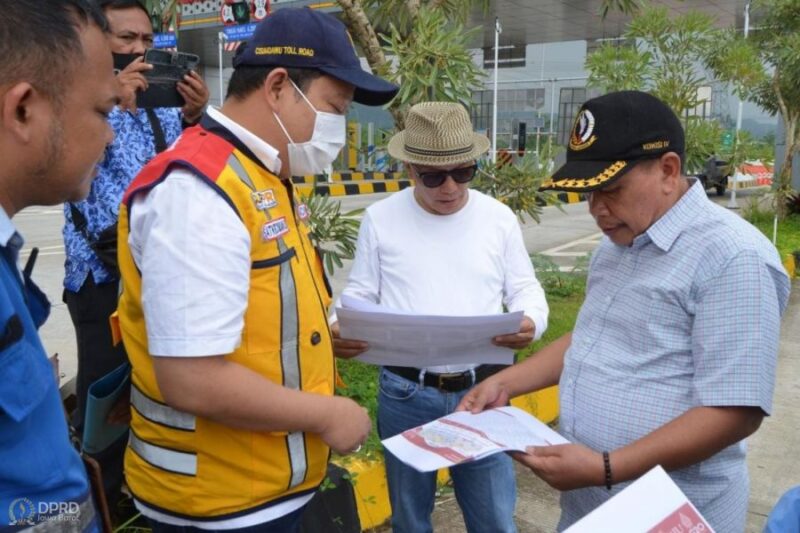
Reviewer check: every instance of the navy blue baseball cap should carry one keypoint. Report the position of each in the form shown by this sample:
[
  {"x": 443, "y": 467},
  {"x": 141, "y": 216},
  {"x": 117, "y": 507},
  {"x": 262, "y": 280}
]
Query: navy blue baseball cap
[{"x": 307, "y": 38}]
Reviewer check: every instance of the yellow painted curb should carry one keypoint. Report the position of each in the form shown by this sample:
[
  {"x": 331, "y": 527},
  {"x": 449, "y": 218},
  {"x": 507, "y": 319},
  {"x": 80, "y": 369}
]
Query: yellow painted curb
[
  {"x": 789, "y": 265},
  {"x": 369, "y": 475}
]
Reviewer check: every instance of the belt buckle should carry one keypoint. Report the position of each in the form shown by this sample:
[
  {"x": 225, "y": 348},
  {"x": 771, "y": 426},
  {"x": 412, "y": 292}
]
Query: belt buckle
[{"x": 442, "y": 379}]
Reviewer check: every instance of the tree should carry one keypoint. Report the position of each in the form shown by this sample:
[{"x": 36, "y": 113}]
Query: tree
[
  {"x": 765, "y": 69},
  {"x": 164, "y": 14},
  {"x": 422, "y": 45},
  {"x": 427, "y": 44},
  {"x": 663, "y": 56}
]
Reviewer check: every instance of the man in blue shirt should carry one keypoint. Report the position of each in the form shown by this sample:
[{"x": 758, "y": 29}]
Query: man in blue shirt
[
  {"x": 90, "y": 286},
  {"x": 56, "y": 91},
  {"x": 672, "y": 359}
]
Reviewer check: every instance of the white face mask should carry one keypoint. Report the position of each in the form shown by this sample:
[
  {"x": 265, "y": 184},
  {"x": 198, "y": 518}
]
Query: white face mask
[{"x": 327, "y": 140}]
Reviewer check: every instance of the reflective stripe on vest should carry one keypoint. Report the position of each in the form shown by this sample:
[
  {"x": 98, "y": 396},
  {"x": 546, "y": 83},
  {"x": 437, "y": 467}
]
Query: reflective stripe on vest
[
  {"x": 164, "y": 458},
  {"x": 290, "y": 352},
  {"x": 67, "y": 522},
  {"x": 161, "y": 413},
  {"x": 290, "y": 359}
]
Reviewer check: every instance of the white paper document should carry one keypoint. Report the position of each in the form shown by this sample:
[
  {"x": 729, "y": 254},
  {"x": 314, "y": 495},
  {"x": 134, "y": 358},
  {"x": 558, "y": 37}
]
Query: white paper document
[
  {"x": 651, "y": 504},
  {"x": 400, "y": 339},
  {"x": 462, "y": 436}
]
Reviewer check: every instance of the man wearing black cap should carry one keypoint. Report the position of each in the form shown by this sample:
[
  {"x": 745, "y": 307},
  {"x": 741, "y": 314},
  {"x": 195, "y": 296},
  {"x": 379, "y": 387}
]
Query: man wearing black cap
[
  {"x": 672, "y": 359},
  {"x": 224, "y": 302}
]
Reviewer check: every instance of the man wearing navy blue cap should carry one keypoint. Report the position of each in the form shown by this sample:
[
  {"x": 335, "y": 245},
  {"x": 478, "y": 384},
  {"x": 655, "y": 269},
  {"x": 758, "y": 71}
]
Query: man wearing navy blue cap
[
  {"x": 224, "y": 304},
  {"x": 661, "y": 368}
]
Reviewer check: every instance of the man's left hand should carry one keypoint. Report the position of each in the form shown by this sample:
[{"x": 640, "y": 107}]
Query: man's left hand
[
  {"x": 565, "y": 466},
  {"x": 195, "y": 93},
  {"x": 518, "y": 340}
]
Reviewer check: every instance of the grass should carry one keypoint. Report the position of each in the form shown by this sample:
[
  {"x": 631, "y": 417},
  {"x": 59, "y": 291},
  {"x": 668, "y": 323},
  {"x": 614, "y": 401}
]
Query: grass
[
  {"x": 563, "y": 313},
  {"x": 762, "y": 216}
]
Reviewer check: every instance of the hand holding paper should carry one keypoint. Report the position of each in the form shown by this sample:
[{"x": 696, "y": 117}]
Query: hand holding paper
[
  {"x": 462, "y": 436},
  {"x": 401, "y": 339},
  {"x": 566, "y": 466}
]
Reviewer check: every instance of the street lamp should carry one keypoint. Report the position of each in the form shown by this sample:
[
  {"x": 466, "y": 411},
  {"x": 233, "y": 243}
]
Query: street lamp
[
  {"x": 497, "y": 31},
  {"x": 732, "y": 203}
]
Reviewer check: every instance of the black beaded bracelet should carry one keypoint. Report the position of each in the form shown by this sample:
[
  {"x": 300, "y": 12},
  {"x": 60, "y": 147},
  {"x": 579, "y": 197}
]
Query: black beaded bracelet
[{"x": 607, "y": 465}]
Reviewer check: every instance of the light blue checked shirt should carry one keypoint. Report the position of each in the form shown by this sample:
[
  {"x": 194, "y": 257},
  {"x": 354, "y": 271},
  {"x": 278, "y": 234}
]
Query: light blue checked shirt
[{"x": 687, "y": 316}]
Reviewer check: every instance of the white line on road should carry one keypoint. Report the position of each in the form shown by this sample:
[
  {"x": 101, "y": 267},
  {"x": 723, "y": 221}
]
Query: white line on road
[{"x": 557, "y": 251}]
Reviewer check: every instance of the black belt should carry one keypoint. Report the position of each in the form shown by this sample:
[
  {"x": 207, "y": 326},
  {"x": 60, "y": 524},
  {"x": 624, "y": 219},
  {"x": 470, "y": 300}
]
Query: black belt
[{"x": 456, "y": 382}]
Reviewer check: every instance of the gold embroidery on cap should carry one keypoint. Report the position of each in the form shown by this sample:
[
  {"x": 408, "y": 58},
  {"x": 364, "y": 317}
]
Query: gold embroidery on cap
[
  {"x": 657, "y": 145},
  {"x": 582, "y": 183},
  {"x": 283, "y": 50}
]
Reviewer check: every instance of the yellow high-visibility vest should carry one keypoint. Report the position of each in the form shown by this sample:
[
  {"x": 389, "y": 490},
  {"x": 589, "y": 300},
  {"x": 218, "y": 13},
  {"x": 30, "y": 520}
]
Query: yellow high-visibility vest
[{"x": 191, "y": 467}]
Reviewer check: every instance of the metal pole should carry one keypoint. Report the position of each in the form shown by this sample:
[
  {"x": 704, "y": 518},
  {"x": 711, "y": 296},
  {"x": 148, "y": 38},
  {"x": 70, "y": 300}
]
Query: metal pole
[
  {"x": 497, "y": 31},
  {"x": 221, "y": 40},
  {"x": 552, "y": 106},
  {"x": 732, "y": 203}
]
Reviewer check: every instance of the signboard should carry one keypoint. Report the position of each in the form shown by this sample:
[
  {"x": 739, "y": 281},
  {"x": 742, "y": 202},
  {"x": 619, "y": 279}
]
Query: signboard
[
  {"x": 165, "y": 40},
  {"x": 234, "y": 12},
  {"x": 727, "y": 140},
  {"x": 239, "y": 33}
]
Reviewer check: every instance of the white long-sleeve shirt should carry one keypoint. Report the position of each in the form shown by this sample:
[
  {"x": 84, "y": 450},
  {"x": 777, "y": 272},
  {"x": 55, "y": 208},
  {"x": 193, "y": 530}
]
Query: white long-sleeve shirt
[{"x": 471, "y": 262}]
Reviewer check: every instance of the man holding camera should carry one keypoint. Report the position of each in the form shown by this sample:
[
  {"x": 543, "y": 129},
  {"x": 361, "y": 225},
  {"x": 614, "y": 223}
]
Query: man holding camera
[{"x": 91, "y": 282}]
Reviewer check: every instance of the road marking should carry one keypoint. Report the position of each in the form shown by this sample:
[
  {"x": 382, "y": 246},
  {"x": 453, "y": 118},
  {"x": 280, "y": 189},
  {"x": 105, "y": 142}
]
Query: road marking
[
  {"x": 557, "y": 251},
  {"x": 36, "y": 212}
]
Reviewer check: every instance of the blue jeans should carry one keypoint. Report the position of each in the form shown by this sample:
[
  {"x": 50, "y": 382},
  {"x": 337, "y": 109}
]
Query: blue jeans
[
  {"x": 289, "y": 523},
  {"x": 486, "y": 490}
]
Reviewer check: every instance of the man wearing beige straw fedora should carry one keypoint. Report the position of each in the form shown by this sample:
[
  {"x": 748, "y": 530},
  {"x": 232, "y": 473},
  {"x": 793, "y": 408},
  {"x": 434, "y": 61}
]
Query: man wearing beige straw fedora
[{"x": 440, "y": 248}]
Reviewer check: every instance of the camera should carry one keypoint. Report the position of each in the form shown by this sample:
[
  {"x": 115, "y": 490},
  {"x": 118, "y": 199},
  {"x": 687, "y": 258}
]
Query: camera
[{"x": 168, "y": 69}]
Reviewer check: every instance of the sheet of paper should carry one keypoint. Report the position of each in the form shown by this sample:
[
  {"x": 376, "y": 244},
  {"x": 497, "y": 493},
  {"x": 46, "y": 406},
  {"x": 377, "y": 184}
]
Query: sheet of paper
[
  {"x": 462, "y": 436},
  {"x": 427, "y": 340},
  {"x": 356, "y": 304},
  {"x": 651, "y": 504}
]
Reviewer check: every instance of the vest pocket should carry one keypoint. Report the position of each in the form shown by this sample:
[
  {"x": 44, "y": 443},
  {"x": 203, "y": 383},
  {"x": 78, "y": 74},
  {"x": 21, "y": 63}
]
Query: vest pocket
[{"x": 275, "y": 261}]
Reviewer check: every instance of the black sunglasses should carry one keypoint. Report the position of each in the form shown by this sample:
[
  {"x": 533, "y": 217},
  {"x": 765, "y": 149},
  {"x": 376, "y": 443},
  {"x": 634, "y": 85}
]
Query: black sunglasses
[{"x": 437, "y": 178}]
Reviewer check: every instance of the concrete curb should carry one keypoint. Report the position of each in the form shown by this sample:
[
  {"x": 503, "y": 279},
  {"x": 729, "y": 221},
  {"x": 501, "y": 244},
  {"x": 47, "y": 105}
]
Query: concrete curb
[
  {"x": 369, "y": 475},
  {"x": 790, "y": 265}
]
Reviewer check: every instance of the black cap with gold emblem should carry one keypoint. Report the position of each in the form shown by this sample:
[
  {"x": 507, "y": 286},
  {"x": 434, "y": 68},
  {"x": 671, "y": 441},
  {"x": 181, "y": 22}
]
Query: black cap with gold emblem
[{"x": 611, "y": 134}]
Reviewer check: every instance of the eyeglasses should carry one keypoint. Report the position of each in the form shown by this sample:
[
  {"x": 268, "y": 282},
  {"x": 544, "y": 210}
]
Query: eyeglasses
[{"x": 437, "y": 178}]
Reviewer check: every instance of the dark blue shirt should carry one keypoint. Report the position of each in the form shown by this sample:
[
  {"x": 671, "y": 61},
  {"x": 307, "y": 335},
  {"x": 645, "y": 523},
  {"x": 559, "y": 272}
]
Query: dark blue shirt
[
  {"x": 39, "y": 468},
  {"x": 133, "y": 147}
]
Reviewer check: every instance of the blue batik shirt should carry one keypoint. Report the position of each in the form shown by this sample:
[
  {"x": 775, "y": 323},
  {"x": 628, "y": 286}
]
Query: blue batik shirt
[
  {"x": 133, "y": 147},
  {"x": 687, "y": 316}
]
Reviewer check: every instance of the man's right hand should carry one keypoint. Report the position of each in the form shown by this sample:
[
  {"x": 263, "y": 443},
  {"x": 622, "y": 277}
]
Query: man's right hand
[
  {"x": 346, "y": 426},
  {"x": 346, "y": 348},
  {"x": 485, "y": 395},
  {"x": 131, "y": 80}
]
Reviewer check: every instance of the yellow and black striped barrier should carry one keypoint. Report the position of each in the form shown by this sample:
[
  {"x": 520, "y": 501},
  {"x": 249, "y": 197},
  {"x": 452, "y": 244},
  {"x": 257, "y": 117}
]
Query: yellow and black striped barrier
[
  {"x": 348, "y": 184},
  {"x": 349, "y": 176},
  {"x": 348, "y": 189},
  {"x": 570, "y": 197}
]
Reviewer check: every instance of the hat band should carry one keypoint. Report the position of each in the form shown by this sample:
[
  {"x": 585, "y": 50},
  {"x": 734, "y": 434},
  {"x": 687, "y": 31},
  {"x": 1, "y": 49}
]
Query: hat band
[{"x": 422, "y": 151}]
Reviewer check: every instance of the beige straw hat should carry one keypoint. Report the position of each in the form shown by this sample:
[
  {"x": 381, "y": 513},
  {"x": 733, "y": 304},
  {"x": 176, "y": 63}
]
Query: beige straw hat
[{"x": 438, "y": 134}]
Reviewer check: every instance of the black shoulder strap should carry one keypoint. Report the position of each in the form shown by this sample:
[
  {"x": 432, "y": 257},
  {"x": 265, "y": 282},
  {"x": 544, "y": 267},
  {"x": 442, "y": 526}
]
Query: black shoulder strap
[{"x": 158, "y": 133}]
